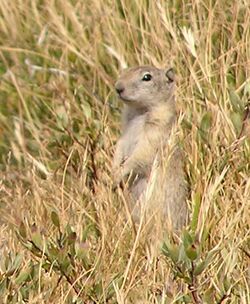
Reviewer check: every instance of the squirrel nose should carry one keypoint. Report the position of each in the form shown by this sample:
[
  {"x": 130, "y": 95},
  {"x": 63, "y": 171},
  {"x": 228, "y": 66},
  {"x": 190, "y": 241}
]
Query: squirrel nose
[{"x": 119, "y": 88}]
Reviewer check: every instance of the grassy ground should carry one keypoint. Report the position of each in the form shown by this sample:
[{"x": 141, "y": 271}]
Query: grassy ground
[{"x": 65, "y": 237}]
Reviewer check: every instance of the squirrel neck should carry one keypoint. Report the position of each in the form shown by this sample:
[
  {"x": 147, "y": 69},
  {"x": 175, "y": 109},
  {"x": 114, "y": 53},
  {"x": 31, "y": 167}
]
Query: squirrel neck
[{"x": 163, "y": 113}]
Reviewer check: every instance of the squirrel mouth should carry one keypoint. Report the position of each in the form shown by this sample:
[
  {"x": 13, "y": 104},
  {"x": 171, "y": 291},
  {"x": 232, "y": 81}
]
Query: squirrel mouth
[{"x": 124, "y": 97}]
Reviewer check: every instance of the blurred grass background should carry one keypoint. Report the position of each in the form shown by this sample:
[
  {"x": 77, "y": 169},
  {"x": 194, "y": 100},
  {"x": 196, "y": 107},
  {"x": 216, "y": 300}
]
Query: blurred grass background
[{"x": 65, "y": 236}]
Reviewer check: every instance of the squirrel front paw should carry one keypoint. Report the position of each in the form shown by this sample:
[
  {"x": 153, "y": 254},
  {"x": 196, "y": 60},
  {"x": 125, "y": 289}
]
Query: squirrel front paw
[{"x": 120, "y": 177}]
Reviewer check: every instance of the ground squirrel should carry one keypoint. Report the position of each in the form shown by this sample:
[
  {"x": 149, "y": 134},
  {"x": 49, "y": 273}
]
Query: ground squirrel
[{"x": 147, "y": 124}]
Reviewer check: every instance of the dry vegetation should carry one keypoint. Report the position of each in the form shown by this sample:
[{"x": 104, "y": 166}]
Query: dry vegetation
[{"x": 65, "y": 236}]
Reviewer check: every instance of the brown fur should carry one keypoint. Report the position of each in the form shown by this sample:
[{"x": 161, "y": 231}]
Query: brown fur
[{"x": 144, "y": 158}]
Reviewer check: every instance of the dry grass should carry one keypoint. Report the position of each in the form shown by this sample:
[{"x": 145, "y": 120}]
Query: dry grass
[{"x": 59, "y": 121}]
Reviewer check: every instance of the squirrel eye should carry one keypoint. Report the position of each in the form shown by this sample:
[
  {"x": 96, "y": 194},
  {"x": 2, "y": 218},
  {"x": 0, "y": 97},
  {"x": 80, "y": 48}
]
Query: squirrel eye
[{"x": 147, "y": 77}]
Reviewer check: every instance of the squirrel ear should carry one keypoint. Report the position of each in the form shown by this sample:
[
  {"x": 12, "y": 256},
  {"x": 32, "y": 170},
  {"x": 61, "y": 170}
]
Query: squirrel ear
[{"x": 170, "y": 74}]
